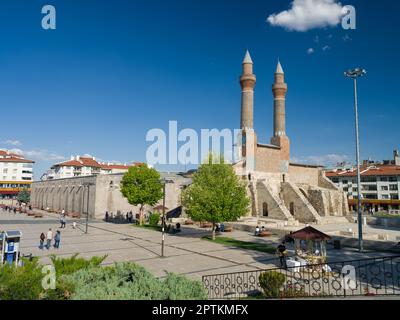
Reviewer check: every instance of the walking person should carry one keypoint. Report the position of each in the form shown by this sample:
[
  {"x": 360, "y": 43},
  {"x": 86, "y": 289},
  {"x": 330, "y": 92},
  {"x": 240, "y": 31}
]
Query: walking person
[
  {"x": 63, "y": 222},
  {"x": 49, "y": 237},
  {"x": 42, "y": 238},
  {"x": 281, "y": 251},
  {"x": 57, "y": 239},
  {"x": 107, "y": 216}
]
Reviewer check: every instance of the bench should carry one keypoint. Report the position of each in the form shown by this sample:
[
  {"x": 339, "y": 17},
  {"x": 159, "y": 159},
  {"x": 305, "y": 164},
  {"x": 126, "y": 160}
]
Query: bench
[
  {"x": 38, "y": 215},
  {"x": 265, "y": 234},
  {"x": 188, "y": 223},
  {"x": 206, "y": 225}
]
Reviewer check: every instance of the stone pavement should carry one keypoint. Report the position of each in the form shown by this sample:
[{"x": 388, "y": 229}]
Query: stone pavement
[{"x": 185, "y": 253}]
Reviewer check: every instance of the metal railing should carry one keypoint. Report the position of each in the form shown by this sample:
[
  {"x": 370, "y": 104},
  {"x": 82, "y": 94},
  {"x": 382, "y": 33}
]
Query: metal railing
[{"x": 355, "y": 278}]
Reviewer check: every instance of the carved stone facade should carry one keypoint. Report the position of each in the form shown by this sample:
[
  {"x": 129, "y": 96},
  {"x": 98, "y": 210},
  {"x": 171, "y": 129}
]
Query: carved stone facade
[{"x": 280, "y": 189}]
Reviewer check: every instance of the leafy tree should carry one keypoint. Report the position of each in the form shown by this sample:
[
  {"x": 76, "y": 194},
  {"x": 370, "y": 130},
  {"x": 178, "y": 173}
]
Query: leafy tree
[
  {"x": 216, "y": 195},
  {"x": 24, "y": 196},
  {"x": 141, "y": 186}
]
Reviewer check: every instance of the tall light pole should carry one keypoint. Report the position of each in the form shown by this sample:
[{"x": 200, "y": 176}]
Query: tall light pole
[
  {"x": 88, "y": 184},
  {"x": 355, "y": 74},
  {"x": 163, "y": 181}
]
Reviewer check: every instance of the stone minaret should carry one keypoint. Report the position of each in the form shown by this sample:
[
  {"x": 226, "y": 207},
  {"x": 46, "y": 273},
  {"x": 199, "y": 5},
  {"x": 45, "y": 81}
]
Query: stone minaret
[
  {"x": 279, "y": 89},
  {"x": 247, "y": 140}
]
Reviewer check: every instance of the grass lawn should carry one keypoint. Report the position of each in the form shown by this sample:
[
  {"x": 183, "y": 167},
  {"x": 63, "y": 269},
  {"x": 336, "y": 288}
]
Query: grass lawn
[
  {"x": 242, "y": 244},
  {"x": 387, "y": 215}
]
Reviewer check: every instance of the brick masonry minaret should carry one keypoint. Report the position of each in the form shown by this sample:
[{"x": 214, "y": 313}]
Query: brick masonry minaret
[
  {"x": 247, "y": 82},
  {"x": 279, "y": 90},
  {"x": 247, "y": 139}
]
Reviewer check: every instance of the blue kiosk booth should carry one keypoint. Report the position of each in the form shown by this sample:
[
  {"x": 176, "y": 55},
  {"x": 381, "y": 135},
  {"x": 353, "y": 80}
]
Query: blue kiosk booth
[{"x": 9, "y": 246}]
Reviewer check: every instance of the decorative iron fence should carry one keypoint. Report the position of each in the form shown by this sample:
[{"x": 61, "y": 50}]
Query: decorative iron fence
[{"x": 367, "y": 277}]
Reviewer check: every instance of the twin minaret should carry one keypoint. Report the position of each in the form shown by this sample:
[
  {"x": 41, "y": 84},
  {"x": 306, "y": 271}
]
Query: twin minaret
[{"x": 279, "y": 89}]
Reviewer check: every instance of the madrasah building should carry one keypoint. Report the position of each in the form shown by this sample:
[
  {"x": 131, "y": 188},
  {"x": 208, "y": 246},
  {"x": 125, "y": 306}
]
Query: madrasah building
[{"x": 279, "y": 189}]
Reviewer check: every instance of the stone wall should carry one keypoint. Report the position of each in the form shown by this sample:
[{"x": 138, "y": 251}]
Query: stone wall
[
  {"x": 297, "y": 204},
  {"x": 268, "y": 159},
  {"x": 74, "y": 196},
  {"x": 304, "y": 174}
]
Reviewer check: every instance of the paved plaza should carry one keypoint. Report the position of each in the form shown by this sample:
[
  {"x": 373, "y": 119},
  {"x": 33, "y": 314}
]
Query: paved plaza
[{"x": 185, "y": 253}]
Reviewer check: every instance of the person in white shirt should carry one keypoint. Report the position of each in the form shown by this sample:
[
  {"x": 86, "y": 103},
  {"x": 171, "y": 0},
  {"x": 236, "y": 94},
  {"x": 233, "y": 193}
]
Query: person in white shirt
[{"x": 49, "y": 237}]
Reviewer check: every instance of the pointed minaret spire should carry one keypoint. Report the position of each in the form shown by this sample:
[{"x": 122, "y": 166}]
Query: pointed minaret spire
[
  {"x": 279, "y": 68},
  {"x": 247, "y": 58}
]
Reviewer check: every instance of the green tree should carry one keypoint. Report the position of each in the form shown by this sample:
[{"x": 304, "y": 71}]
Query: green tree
[
  {"x": 24, "y": 196},
  {"x": 216, "y": 195},
  {"x": 141, "y": 186}
]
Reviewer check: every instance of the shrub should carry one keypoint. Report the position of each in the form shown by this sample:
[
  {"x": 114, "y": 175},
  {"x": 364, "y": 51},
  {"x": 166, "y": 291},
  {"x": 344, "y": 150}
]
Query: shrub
[
  {"x": 154, "y": 219},
  {"x": 128, "y": 281},
  {"x": 66, "y": 266},
  {"x": 271, "y": 283},
  {"x": 21, "y": 283},
  {"x": 180, "y": 288}
]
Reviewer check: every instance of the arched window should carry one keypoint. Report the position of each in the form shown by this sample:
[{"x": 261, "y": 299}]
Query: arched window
[
  {"x": 292, "y": 208},
  {"x": 265, "y": 209}
]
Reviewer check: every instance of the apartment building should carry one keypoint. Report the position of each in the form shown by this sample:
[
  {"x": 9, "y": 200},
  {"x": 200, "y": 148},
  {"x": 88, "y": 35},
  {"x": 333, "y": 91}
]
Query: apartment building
[
  {"x": 80, "y": 166},
  {"x": 16, "y": 174},
  {"x": 380, "y": 183}
]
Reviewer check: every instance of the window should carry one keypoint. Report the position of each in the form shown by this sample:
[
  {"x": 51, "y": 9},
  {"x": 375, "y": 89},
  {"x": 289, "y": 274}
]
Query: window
[
  {"x": 384, "y": 188},
  {"x": 384, "y": 178},
  {"x": 5, "y": 170},
  {"x": 371, "y": 196},
  {"x": 335, "y": 180},
  {"x": 345, "y": 181},
  {"x": 393, "y": 187},
  {"x": 369, "y": 187},
  {"x": 385, "y": 196},
  {"x": 394, "y": 196},
  {"x": 368, "y": 179},
  {"x": 346, "y": 189},
  {"x": 392, "y": 179}
]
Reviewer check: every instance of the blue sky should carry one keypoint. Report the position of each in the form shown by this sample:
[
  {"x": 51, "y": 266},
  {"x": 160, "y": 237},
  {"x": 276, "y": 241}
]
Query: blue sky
[{"x": 112, "y": 70}]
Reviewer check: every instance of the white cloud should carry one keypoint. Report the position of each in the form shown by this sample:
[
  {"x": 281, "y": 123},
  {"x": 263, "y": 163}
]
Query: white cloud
[
  {"x": 325, "y": 160},
  {"x": 39, "y": 154},
  {"x": 308, "y": 14},
  {"x": 310, "y": 51},
  {"x": 15, "y": 143}
]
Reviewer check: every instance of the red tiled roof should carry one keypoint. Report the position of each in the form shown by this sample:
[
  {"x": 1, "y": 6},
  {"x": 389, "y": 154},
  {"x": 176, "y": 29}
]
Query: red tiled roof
[
  {"x": 71, "y": 163},
  {"x": 384, "y": 170},
  {"x": 10, "y": 154},
  {"x": 114, "y": 166},
  {"x": 309, "y": 233},
  {"x": 89, "y": 162},
  {"x": 14, "y": 159}
]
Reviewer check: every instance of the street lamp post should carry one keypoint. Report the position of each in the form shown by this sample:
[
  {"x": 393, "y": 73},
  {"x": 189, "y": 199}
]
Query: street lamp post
[
  {"x": 87, "y": 212},
  {"x": 163, "y": 220},
  {"x": 355, "y": 74}
]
